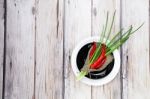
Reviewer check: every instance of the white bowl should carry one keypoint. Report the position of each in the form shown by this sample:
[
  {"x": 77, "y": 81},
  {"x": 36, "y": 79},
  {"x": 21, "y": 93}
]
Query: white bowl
[{"x": 95, "y": 82}]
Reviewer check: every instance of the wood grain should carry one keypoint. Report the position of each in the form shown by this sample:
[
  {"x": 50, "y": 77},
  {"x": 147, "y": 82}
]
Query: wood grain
[
  {"x": 49, "y": 49},
  {"x": 1, "y": 45},
  {"x": 136, "y": 70},
  {"x": 41, "y": 35},
  {"x": 19, "y": 78},
  {"x": 77, "y": 28},
  {"x": 111, "y": 90}
]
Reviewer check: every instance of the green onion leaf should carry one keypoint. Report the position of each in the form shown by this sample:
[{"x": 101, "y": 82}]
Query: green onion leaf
[{"x": 110, "y": 27}]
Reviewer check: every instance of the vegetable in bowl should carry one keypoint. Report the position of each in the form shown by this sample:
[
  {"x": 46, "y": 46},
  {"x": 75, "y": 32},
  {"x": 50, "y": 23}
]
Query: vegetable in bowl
[{"x": 100, "y": 53}]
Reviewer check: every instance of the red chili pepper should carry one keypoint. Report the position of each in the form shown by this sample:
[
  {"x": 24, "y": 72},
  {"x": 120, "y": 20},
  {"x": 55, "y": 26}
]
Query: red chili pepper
[
  {"x": 101, "y": 60},
  {"x": 101, "y": 63},
  {"x": 92, "y": 50}
]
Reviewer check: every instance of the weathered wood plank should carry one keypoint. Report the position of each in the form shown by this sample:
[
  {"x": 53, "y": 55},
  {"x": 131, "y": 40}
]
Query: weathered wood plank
[
  {"x": 1, "y": 44},
  {"x": 49, "y": 49},
  {"x": 136, "y": 70},
  {"x": 77, "y": 28},
  {"x": 111, "y": 90},
  {"x": 19, "y": 78}
]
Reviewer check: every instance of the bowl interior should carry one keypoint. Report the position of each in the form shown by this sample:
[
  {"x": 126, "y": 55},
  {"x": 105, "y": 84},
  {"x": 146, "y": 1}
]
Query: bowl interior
[{"x": 80, "y": 60}]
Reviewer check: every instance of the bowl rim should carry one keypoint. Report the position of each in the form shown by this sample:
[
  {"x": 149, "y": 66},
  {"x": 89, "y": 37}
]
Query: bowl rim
[{"x": 95, "y": 82}]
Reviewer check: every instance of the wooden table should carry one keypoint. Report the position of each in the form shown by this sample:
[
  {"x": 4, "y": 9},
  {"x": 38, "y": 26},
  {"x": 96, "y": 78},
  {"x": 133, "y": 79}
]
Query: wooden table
[{"x": 37, "y": 38}]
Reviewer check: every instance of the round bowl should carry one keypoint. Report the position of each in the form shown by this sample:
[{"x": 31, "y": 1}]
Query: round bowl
[{"x": 95, "y": 82}]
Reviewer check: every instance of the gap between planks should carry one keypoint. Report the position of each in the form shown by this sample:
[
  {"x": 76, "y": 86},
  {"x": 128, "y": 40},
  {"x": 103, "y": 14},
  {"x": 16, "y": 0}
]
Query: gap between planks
[{"x": 4, "y": 50}]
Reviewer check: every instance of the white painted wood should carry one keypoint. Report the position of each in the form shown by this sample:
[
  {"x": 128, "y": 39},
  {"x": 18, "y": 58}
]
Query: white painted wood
[
  {"x": 77, "y": 28},
  {"x": 136, "y": 70},
  {"x": 111, "y": 90},
  {"x": 1, "y": 44},
  {"x": 37, "y": 39},
  {"x": 49, "y": 49},
  {"x": 19, "y": 79}
]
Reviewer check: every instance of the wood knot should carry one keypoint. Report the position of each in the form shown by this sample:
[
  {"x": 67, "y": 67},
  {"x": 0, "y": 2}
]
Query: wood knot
[
  {"x": 34, "y": 10},
  {"x": 94, "y": 11}
]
